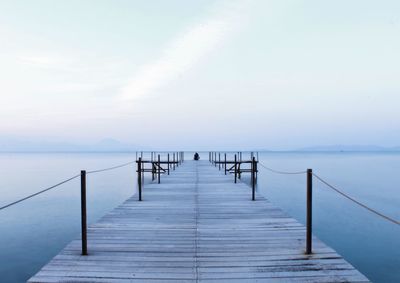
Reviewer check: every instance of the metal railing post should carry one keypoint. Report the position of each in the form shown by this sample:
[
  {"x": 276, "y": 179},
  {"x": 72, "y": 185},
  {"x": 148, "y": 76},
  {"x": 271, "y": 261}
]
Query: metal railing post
[
  {"x": 168, "y": 163},
  {"x": 257, "y": 168},
  {"x": 83, "y": 213},
  {"x": 239, "y": 170},
  {"x": 139, "y": 171},
  {"x": 253, "y": 178},
  {"x": 309, "y": 213},
  {"x": 159, "y": 170},
  {"x": 235, "y": 169},
  {"x": 225, "y": 163},
  {"x": 152, "y": 167}
]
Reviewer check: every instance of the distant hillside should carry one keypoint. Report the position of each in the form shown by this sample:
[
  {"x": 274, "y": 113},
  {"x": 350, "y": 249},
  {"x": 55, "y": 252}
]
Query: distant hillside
[
  {"x": 11, "y": 144},
  {"x": 22, "y": 145}
]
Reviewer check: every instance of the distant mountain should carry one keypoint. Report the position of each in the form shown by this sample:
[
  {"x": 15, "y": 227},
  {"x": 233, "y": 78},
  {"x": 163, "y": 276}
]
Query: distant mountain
[
  {"x": 12, "y": 144},
  {"x": 24, "y": 145},
  {"x": 350, "y": 148}
]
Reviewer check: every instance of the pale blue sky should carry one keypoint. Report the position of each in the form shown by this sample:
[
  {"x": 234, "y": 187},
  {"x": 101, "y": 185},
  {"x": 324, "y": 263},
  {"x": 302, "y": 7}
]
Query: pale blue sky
[{"x": 246, "y": 73}]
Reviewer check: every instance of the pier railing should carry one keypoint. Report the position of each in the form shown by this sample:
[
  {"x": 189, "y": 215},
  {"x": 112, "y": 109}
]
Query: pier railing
[
  {"x": 157, "y": 169},
  {"x": 237, "y": 166},
  {"x": 310, "y": 176},
  {"x": 233, "y": 167}
]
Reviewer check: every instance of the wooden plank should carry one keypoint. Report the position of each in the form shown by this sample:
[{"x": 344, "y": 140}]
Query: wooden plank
[{"x": 197, "y": 226}]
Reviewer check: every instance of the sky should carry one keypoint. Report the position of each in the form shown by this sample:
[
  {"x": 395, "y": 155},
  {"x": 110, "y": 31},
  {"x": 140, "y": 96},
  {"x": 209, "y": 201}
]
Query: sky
[{"x": 242, "y": 74}]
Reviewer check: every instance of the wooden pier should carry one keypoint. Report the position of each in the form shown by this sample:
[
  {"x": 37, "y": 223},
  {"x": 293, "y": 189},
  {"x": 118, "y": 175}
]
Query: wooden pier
[{"x": 197, "y": 226}]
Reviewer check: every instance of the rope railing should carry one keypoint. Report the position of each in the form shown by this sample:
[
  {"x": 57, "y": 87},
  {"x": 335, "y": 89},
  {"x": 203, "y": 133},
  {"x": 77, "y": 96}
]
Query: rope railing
[
  {"x": 282, "y": 172},
  {"x": 63, "y": 182},
  {"x": 336, "y": 190},
  {"x": 39, "y": 192},
  {"x": 84, "y": 173},
  {"x": 309, "y": 173},
  {"x": 110, "y": 168},
  {"x": 356, "y": 201}
]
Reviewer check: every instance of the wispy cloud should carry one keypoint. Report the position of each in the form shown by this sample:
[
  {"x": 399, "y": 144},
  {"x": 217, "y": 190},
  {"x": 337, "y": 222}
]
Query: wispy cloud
[
  {"x": 40, "y": 61},
  {"x": 65, "y": 73},
  {"x": 186, "y": 50}
]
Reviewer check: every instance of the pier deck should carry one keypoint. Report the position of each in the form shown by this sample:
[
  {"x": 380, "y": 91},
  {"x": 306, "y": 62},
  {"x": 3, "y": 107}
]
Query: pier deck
[{"x": 197, "y": 226}]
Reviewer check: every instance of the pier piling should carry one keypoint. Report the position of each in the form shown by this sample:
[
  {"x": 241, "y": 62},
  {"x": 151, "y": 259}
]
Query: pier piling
[
  {"x": 83, "y": 213},
  {"x": 309, "y": 212}
]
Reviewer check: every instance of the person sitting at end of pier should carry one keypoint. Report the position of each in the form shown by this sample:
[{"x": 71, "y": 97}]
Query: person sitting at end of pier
[{"x": 196, "y": 156}]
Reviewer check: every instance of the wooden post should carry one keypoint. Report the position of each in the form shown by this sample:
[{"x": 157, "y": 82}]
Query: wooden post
[
  {"x": 152, "y": 167},
  {"x": 257, "y": 167},
  {"x": 152, "y": 170},
  {"x": 309, "y": 213},
  {"x": 139, "y": 172},
  {"x": 253, "y": 178},
  {"x": 215, "y": 158},
  {"x": 225, "y": 164},
  {"x": 235, "y": 169},
  {"x": 83, "y": 213},
  {"x": 168, "y": 163},
  {"x": 159, "y": 170},
  {"x": 142, "y": 169},
  {"x": 219, "y": 161},
  {"x": 173, "y": 160},
  {"x": 209, "y": 156}
]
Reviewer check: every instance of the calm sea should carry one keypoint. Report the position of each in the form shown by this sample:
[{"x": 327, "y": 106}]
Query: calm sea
[{"x": 34, "y": 231}]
